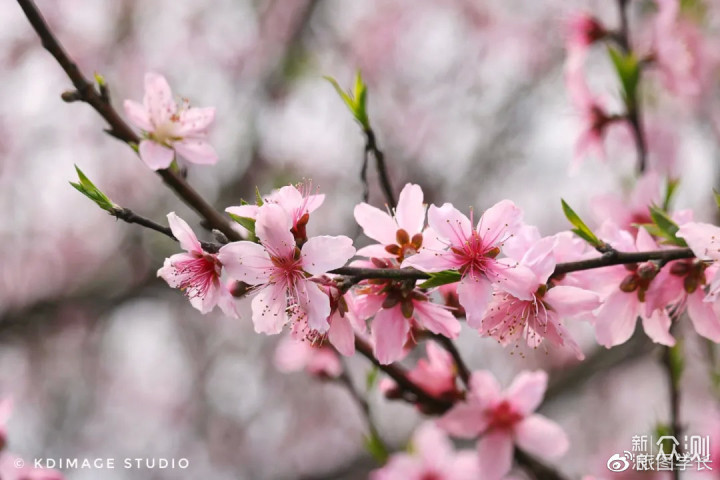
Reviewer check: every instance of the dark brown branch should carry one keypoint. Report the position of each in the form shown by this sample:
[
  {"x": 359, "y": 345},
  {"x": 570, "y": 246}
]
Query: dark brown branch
[
  {"x": 449, "y": 346},
  {"x": 119, "y": 129},
  {"x": 371, "y": 146},
  {"x": 619, "y": 258}
]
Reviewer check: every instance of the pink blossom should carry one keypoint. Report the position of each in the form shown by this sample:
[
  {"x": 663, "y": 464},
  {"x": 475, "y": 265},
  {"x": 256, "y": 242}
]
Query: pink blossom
[
  {"x": 583, "y": 31},
  {"x": 628, "y": 211},
  {"x": 624, "y": 290},
  {"x": 197, "y": 272},
  {"x": 436, "y": 374},
  {"x": 281, "y": 271},
  {"x": 474, "y": 253},
  {"x": 398, "y": 308},
  {"x": 292, "y": 355},
  {"x": 297, "y": 201},
  {"x": 679, "y": 52},
  {"x": 170, "y": 128},
  {"x": 432, "y": 458},
  {"x": 401, "y": 234},
  {"x": 537, "y": 314},
  {"x": 505, "y": 419}
]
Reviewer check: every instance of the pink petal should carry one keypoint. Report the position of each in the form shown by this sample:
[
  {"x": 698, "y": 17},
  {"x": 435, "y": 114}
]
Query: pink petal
[
  {"x": 247, "y": 262},
  {"x": 268, "y": 309},
  {"x": 247, "y": 211},
  {"x": 432, "y": 445},
  {"x": 541, "y": 437},
  {"x": 616, "y": 319},
  {"x": 155, "y": 156},
  {"x": 703, "y": 316},
  {"x": 389, "y": 332},
  {"x": 702, "y": 238},
  {"x": 432, "y": 261},
  {"x": 474, "y": 294},
  {"x": 315, "y": 303},
  {"x": 227, "y": 303},
  {"x": 436, "y": 319},
  {"x": 657, "y": 327},
  {"x": 374, "y": 251},
  {"x": 272, "y": 227},
  {"x": 410, "y": 211},
  {"x": 527, "y": 391},
  {"x": 499, "y": 221},
  {"x": 205, "y": 303},
  {"x": 341, "y": 335},
  {"x": 169, "y": 273},
  {"x": 195, "y": 120},
  {"x": 324, "y": 253},
  {"x": 376, "y": 224},
  {"x": 495, "y": 453},
  {"x": 288, "y": 197},
  {"x": 464, "y": 420},
  {"x": 196, "y": 151},
  {"x": 365, "y": 306},
  {"x": 484, "y": 388},
  {"x": 314, "y": 201},
  {"x": 450, "y": 224},
  {"x": 138, "y": 115},
  {"x": 158, "y": 99},
  {"x": 518, "y": 280},
  {"x": 184, "y": 234},
  {"x": 291, "y": 355},
  {"x": 571, "y": 301}
]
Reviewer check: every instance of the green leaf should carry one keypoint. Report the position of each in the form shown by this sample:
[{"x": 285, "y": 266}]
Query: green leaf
[
  {"x": 356, "y": 100},
  {"x": 372, "y": 378},
  {"x": 247, "y": 222},
  {"x": 258, "y": 198},
  {"x": 441, "y": 278},
  {"x": 670, "y": 189},
  {"x": 581, "y": 229},
  {"x": 376, "y": 447},
  {"x": 717, "y": 197},
  {"x": 676, "y": 361},
  {"x": 87, "y": 188},
  {"x": 627, "y": 68},
  {"x": 666, "y": 227}
]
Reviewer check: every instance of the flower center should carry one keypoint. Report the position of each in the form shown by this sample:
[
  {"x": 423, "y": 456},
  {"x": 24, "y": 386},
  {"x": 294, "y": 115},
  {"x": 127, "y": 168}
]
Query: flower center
[
  {"x": 503, "y": 417},
  {"x": 197, "y": 275}
]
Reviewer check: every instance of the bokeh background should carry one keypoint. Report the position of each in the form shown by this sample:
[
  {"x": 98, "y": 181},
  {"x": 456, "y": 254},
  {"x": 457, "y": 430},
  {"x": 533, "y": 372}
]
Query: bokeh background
[{"x": 467, "y": 99}]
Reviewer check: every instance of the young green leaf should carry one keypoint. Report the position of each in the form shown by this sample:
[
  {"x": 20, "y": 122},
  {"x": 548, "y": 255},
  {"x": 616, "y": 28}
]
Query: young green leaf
[
  {"x": 717, "y": 197},
  {"x": 87, "y": 188},
  {"x": 258, "y": 198},
  {"x": 581, "y": 229},
  {"x": 356, "y": 100},
  {"x": 666, "y": 227},
  {"x": 371, "y": 379},
  {"x": 441, "y": 278},
  {"x": 376, "y": 448},
  {"x": 627, "y": 67},
  {"x": 670, "y": 189}
]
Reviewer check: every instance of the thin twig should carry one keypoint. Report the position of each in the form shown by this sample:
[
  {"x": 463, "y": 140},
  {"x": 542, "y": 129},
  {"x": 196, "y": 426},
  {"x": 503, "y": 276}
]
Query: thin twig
[
  {"x": 449, "y": 346},
  {"x": 119, "y": 129},
  {"x": 372, "y": 146}
]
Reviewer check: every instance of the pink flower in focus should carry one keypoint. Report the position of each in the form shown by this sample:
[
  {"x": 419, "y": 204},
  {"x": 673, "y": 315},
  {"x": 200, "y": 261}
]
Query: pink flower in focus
[
  {"x": 473, "y": 253},
  {"x": 281, "y": 271},
  {"x": 169, "y": 128},
  {"x": 432, "y": 458},
  {"x": 197, "y": 272},
  {"x": 400, "y": 235},
  {"x": 537, "y": 315},
  {"x": 292, "y": 355},
  {"x": 505, "y": 419},
  {"x": 398, "y": 308},
  {"x": 625, "y": 290},
  {"x": 296, "y": 201}
]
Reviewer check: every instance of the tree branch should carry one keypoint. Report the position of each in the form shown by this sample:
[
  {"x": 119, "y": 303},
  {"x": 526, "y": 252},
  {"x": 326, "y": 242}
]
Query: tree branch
[
  {"x": 119, "y": 129},
  {"x": 371, "y": 146}
]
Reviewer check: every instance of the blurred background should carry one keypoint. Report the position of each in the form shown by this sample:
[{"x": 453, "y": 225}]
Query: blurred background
[{"x": 467, "y": 99}]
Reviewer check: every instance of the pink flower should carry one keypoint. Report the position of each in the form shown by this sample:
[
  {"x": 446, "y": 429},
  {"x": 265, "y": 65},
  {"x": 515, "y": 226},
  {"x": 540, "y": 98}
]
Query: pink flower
[
  {"x": 292, "y": 355},
  {"x": 398, "y": 308},
  {"x": 400, "y": 235},
  {"x": 473, "y": 252},
  {"x": 679, "y": 52},
  {"x": 281, "y": 271},
  {"x": 627, "y": 211},
  {"x": 170, "y": 128},
  {"x": 583, "y": 31},
  {"x": 296, "y": 201},
  {"x": 537, "y": 314},
  {"x": 624, "y": 290},
  {"x": 197, "y": 272},
  {"x": 433, "y": 458},
  {"x": 505, "y": 419},
  {"x": 436, "y": 374}
]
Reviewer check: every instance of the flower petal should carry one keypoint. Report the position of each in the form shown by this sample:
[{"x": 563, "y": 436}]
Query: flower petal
[
  {"x": 495, "y": 453},
  {"x": 569, "y": 301},
  {"x": 195, "y": 120},
  {"x": 247, "y": 262},
  {"x": 484, "y": 388},
  {"x": 184, "y": 234},
  {"x": 703, "y": 316},
  {"x": 432, "y": 261},
  {"x": 268, "y": 309},
  {"x": 138, "y": 115},
  {"x": 657, "y": 327},
  {"x": 155, "y": 156},
  {"x": 464, "y": 420},
  {"x": 272, "y": 227},
  {"x": 450, "y": 224},
  {"x": 437, "y": 319},
  {"x": 324, "y": 253},
  {"x": 702, "y": 238},
  {"x": 542, "y": 437},
  {"x": 474, "y": 294},
  {"x": 316, "y": 304},
  {"x": 616, "y": 319},
  {"x": 158, "y": 99},
  {"x": 499, "y": 221},
  {"x": 410, "y": 211},
  {"x": 527, "y": 391},
  {"x": 341, "y": 334},
  {"x": 197, "y": 151},
  {"x": 389, "y": 332},
  {"x": 376, "y": 224}
]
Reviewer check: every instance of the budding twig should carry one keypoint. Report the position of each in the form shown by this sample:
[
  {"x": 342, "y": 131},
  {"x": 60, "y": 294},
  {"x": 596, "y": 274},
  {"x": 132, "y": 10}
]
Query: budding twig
[{"x": 371, "y": 146}]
